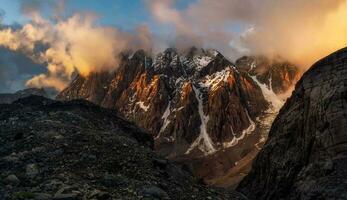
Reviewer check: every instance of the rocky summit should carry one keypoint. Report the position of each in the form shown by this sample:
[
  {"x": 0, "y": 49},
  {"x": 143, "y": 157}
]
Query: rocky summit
[
  {"x": 77, "y": 150},
  {"x": 200, "y": 108},
  {"x": 305, "y": 156}
]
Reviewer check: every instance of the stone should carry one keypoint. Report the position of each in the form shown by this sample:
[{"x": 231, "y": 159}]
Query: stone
[
  {"x": 155, "y": 192},
  {"x": 32, "y": 170},
  {"x": 52, "y": 185},
  {"x": 111, "y": 180},
  {"x": 43, "y": 196},
  {"x": 161, "y": 163},
  {"x": 65, "y": 197},
  {"x": 12, "y": 180},
  {"x": 12, "y": 158},
  {"x": 100, "y": 195}
]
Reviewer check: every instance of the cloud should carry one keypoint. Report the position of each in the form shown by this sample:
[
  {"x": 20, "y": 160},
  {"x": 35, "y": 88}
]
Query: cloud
[
  {"x": 301, "y": 31},
  {"x": 76, "y": 44},
  {"x": 190, "y": 30}
]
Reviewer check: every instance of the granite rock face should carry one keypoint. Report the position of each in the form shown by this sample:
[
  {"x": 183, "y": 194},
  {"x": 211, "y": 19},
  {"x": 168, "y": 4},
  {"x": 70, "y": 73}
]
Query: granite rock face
[{"x": 305, "y": 156}]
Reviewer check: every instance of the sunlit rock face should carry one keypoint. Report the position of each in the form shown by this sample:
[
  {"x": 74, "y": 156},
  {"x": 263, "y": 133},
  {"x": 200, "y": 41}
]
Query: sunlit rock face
[
  {"x": 197, "y": 104},
  {"x": 305, "y": 155}
]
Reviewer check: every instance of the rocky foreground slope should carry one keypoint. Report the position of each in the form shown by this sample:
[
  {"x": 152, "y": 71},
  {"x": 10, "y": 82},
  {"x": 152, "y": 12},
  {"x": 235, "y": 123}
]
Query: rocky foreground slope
[
  {"x": 76, "y": 150},
  {"x": 305, "y": 156},
  {"x": 201, "y": 108}
]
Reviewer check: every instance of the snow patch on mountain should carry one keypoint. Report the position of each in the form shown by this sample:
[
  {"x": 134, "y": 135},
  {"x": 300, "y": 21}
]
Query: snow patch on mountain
[
  {"x": 245, "y": 132},
  {"x": 165, "y": 118},
  {"x": 207, "y": 144},
  {"x": 269, "y": 95},
  {"x": 141, "y": 104},
  {"x": 212, "y": 81},
  {"x": 202, "y": 61}
]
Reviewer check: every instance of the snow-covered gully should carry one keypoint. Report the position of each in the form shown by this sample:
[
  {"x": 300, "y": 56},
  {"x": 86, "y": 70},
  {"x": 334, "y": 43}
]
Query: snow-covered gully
[{"x": 207, "y": 146}]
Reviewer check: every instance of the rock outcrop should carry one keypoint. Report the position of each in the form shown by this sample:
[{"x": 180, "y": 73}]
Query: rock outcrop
[
  {"x": 77, "y": 150},
  {"x": 305, "y": 156}
]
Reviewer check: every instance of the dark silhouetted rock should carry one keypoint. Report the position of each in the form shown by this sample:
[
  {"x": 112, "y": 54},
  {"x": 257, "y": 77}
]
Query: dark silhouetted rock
[
  {"x": 305, "y": 156},
  {"x": 11, "y": 180}
]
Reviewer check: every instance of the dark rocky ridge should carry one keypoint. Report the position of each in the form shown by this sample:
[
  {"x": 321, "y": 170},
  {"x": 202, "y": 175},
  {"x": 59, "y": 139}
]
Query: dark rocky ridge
[
  {"x": 305, "y": 156},
  {"x": 196, "y": 104},
  {"x": 76, "y": 150},
  {"x": 11, "y": 97}
]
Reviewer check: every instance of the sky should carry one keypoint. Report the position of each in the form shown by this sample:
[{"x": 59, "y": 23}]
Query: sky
[
  {"x": 59, "y": 38},
  {"x": 124, "y": 14}
]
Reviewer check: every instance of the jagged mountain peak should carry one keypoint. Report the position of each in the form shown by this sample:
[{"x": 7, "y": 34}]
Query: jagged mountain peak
[{"x": 176, "y": 62}]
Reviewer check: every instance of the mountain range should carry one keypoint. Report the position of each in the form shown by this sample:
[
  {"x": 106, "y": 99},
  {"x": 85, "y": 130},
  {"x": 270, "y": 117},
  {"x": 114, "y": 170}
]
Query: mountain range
[{"x": 200, "y": 108}]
